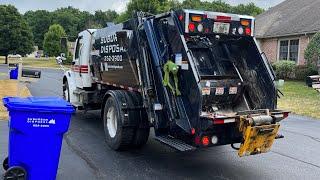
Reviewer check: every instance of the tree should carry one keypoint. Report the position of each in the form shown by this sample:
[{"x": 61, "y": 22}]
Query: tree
[
  {"x": 102, "y": 17},
  {"x": 249, "y": 9},
  {"x": 312, "y": 52},
  {"x": 15, "y": 34},
  {"x": 39, "y": 21},
  {"x": 52, "y": 39},
  {"x": 150, "y": 6},
  {"x": 69, "y": 18}
]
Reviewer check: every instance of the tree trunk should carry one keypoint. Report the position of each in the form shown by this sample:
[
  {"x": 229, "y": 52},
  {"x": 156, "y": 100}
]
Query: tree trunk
[{"x": 6, "y": 60}]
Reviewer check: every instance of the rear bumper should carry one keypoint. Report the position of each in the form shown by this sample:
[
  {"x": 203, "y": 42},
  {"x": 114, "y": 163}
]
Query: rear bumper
[{"x": 255, "y": 130}]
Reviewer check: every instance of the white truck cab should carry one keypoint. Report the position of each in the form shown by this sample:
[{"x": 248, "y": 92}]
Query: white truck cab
[{"x": 78, "y": 77}]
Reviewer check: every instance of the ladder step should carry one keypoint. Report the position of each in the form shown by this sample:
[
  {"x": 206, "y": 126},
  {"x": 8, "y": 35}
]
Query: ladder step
[{"x": 175, "y": 143}]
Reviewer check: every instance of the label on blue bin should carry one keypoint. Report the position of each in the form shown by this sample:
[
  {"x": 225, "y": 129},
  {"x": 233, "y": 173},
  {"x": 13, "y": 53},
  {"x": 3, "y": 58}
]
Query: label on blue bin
[{"x": 41, "y": 122}]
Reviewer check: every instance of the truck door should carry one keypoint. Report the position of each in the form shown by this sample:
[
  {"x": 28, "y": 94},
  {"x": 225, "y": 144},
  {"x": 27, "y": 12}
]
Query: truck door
[{"x": 77, "y": 61}]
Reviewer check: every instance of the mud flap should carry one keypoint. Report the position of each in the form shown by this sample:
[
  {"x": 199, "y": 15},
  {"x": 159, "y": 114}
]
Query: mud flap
[{"x": 258, "y": 139}]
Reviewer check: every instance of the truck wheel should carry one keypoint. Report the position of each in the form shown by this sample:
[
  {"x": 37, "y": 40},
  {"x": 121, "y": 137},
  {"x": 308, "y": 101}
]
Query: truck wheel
[
  {"x": 66, "y": 92},
  {"x": 117, "y": 136}
]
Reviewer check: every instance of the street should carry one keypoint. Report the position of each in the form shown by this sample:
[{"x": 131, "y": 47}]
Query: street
[{"x": 85, "y": 155}]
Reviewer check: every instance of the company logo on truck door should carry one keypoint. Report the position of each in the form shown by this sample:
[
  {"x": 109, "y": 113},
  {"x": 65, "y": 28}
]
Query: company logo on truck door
[{"x": 111, "y": 49}]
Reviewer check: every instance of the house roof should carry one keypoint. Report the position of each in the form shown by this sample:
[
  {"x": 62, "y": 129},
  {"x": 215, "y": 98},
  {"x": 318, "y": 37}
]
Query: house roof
[{"x": 291, "y": 17}]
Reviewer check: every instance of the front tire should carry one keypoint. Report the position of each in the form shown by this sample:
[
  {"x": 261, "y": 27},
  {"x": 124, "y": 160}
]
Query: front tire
[
  {"x": 66, "y": 92},
  {"x": 117, "y": 136}
]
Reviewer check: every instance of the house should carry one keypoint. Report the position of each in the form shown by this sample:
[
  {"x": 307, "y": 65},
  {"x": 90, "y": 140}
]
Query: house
[{"x": 284, "y": 31}]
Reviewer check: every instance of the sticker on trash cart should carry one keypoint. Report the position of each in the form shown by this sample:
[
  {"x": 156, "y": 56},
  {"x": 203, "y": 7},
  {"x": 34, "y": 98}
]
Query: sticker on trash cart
[{"x": 41, "y": 122}]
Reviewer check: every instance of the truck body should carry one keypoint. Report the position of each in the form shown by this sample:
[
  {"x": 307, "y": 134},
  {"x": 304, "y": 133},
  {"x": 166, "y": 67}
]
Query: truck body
[{"x": 197, "y": 78}]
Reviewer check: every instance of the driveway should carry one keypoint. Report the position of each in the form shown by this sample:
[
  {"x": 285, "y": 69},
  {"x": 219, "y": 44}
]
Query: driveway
[{"x": 86, "y": 156}]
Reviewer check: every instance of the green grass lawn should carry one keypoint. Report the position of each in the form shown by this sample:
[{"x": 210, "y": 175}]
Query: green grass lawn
[
  {"x": 300, "y": 99},
  {"x": 34, "y": 62}
]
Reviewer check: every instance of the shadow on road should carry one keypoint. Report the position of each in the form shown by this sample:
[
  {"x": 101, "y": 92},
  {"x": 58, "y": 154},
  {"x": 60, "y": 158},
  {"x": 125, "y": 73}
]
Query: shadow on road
[{"x": 86, "y": 138}]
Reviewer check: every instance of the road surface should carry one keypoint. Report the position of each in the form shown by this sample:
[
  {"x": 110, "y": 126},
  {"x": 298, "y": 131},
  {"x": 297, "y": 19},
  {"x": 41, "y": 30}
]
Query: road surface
[{"x": 86, "y": 156}]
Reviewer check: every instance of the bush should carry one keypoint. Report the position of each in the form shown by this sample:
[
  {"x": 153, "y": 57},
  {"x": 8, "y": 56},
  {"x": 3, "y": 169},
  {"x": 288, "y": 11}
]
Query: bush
[
  {"x": 312, "y": 52},
  {"x": 284, "y": 69},
  {"x": 302, "y": 72},
  {"x": 69, "y": 59}
]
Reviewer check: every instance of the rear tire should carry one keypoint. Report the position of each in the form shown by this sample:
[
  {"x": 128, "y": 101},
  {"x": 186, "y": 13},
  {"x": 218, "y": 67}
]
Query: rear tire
[{"x": 117, "y": 136}]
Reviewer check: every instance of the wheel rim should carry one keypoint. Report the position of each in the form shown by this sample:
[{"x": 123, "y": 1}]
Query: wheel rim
[{"x": 112, "y": 122}]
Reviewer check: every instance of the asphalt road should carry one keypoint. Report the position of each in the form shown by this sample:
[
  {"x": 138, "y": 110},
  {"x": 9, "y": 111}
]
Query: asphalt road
[{"x": 86, "y": 156}]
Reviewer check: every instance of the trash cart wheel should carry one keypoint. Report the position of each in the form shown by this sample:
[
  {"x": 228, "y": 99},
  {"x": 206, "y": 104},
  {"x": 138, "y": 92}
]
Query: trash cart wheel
[
  {"x": 118, "y": 136},
  {"x": 15, "y": 173},
  {"x": 5, "y": 164}
]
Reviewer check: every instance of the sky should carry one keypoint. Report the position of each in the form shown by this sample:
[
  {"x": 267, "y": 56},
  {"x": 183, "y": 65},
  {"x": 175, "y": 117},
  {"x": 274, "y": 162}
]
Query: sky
[{"x": 93, "y": 5}]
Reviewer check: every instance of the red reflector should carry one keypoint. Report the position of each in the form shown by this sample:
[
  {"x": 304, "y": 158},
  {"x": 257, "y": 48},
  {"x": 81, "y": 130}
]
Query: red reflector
[
  {"x": 223, "y": 18},
  {"x": 248, "y": 31},
  {"x": 181, "y": 17},
  {"x": 192, "y": 27},
  {"x": 285, "y": 114},
  {"x": 193, "y": 131},
  {"x": 218, "y": 121},
  {"x": 197, "y": 140},
  {"x": 205, "y": 140}
]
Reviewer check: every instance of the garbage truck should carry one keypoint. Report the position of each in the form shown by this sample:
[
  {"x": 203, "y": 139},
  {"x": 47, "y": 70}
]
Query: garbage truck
[{"x": 197, "y": 78}]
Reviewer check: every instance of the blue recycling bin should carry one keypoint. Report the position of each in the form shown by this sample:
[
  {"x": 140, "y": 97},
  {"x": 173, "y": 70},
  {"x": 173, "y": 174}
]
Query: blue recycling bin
[
  {"x": 37, "y": 125},
  {"x": 14, "y": 73}
]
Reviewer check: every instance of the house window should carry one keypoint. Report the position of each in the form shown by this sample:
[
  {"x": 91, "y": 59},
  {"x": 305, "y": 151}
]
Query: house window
[{"x": 289, "y": 50}]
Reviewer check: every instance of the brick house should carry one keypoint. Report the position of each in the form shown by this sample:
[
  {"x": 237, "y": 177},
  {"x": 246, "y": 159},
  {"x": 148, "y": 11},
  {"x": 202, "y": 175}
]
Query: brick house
[{"x": 284, "y": 31}]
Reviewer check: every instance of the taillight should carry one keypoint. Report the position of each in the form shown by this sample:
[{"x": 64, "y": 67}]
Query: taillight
[
  {"x": 200, "y": 27},
  {"x": 192, "y": 27},
  {"x": 245, "y": 22},
  {"x": 205, "y": 140},
  {"x": 248, "y": 31},
  {"x": 285, "y": 114},
  {"x": 240, "y": 30},
  {"x": 196, "y": 18}
]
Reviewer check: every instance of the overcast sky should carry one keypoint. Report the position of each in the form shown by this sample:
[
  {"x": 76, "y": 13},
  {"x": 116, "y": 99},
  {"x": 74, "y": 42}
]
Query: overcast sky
[{"x": 92, "y": 5}]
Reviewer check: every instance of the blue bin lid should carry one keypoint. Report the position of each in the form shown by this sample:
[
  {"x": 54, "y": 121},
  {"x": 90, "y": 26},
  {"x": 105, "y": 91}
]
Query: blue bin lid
[{"x": 47, "y": 104}]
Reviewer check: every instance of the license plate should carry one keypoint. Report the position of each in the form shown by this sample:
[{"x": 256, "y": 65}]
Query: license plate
[{"x": 220, "y": 27}]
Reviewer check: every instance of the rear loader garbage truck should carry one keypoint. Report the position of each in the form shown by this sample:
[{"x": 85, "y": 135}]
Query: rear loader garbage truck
[{"x": 197, "y": 78}]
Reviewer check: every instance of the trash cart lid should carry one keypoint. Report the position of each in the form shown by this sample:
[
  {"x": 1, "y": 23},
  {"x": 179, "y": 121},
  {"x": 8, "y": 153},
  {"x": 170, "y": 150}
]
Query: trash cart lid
[{"x": 47, "y": 104}]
